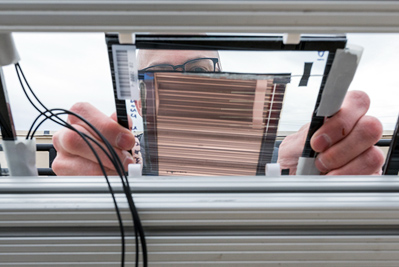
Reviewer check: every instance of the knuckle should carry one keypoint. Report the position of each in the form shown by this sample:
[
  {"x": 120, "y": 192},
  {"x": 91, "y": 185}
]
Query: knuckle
[
  {"x": 343, "y": 126},
  {"x": 80, "y": 108},
  {"x": 58, "y": 165},
  {"x": 291, "y": 147},
  {"x": 374, "y": 159},
  {"x": 370, "y": 129},
  {"x": 109, "y": 125},
  {"x": 360, "y": 98},
  {"x": 56, "y": 141},
  {"x": 330, "y": 160},
  {"x": 72, "y": 142}
]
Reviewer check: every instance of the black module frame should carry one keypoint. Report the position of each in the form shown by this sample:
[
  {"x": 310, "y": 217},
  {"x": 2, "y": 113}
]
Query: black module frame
[{"x": 239, "y": 43}]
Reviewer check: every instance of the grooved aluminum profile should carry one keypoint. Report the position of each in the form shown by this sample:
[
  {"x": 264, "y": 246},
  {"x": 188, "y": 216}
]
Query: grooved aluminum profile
[
  {"x": 200, "y": 16},
  {"x": 228, "y": 221}
]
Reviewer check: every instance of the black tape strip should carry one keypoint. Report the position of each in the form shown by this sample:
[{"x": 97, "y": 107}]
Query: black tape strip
[{"x": 306, "y": 74}]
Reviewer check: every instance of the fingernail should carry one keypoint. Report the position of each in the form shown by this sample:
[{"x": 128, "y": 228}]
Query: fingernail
[
  {"x": 320, "y": 165},
  {"x": 125, "y": 141},
  {"x": 128, "y": 158},
  {"x": 321, "y": 143}
]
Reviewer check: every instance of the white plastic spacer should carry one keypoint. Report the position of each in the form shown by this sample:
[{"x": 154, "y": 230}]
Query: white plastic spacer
[
  {"x": 134, "y": 170},
  {"x": 127, "y": 38},
  {"x": 273, "y": 169},
  {"x": 291, "y": 38}
]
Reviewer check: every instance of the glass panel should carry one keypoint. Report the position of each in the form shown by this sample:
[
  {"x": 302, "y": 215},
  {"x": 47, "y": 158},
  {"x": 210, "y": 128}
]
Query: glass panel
[{"x": 224, "y": 122}]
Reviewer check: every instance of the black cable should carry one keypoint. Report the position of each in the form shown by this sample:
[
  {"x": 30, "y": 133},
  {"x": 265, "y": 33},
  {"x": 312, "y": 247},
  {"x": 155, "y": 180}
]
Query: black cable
[
  {"x": 114, "y": 159},
  {"x": 99, "y": 161},
  {"x": 121, "y": 173}
]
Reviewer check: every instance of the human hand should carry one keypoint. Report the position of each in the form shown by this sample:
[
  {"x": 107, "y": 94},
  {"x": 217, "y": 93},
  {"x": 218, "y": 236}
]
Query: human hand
[
  {"x": 74, "y": 156},
  {"x": 345, "y": 142}
]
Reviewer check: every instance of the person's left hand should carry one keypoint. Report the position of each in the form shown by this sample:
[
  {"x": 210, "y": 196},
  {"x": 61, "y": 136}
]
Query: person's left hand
[{"x": 345, "y": 142}]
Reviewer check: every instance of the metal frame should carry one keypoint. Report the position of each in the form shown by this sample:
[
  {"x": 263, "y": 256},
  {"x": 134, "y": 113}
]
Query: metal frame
[
  {"x": 224, "y": 42},
  {"x": 216, "y": 221},
  {"x": 341, "y": 228},
  {"x": 319, "y": 16}
]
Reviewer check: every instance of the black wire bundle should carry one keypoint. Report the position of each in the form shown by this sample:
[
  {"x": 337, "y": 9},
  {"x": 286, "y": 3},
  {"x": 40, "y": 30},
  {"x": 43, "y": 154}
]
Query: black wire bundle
[{"x": 53, "y": 115}]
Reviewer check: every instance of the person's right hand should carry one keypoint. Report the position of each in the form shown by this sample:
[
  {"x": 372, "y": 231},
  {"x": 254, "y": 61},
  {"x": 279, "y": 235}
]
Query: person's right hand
[{"x": 74, "y": 156}]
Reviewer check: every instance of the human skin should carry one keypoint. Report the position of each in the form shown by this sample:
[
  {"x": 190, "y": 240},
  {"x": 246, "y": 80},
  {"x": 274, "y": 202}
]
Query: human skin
[{"x": 345, "y": 142}]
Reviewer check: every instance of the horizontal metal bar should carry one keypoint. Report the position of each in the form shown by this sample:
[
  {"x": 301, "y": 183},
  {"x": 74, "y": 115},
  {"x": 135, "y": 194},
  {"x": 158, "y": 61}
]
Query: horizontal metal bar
[
  {"x": 187, "y": 228},
  {"x": 200, "y": 16},
  {"x": 168, "y": 184},
  {"x": 252, "y": 213},
  {"x": 39, "y": 147}
]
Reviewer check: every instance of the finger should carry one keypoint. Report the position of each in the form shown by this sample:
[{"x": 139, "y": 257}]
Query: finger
[
  {"x": 67, "y": 141},
  {"x": 368, "y": 163},
  {"x": 115, "y": 118},
  {"x": 291, "y": 149},
  {"x": 117, "y": 135},
  {"x": 65, "y": 164},
  {"x": 365, "y": 134},
  {"x": 336, "y": 128}
]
